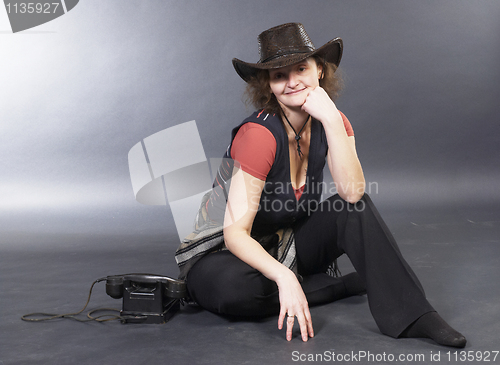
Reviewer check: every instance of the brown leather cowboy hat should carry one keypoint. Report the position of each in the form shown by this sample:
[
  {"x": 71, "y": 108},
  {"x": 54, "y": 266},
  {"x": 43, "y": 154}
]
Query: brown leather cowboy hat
[{"x": 285, "y": 45}]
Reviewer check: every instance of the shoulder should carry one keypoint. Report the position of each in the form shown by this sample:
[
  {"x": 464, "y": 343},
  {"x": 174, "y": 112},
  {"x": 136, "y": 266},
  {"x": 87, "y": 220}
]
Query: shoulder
[
  {"x": 254, "y": 130},
  {"x": 253, "y": 138},
  {"x": 269, "y": 121}
]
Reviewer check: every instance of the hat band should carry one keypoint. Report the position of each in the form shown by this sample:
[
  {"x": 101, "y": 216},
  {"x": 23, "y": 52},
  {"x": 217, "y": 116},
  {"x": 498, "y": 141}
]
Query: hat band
[{"x": 273, "y": 57}]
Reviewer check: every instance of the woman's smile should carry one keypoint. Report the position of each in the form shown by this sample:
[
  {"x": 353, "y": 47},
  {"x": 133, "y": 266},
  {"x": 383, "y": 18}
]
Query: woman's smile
[{"x": 294, "y": 92}]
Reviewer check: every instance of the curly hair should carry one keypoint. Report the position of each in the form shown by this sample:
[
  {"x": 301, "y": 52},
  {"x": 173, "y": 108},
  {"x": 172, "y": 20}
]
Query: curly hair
[{"x": 258, "y": 92}]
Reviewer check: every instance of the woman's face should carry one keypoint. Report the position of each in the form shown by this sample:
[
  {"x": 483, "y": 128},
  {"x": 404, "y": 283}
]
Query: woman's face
[{"x": 292, "y": 84}]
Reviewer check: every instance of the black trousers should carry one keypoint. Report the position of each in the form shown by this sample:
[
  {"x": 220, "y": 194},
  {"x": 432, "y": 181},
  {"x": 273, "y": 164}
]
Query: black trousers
[{"x": 222, "y": 283}]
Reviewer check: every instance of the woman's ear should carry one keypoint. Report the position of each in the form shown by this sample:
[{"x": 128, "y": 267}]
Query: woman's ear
[{"x": 320, "y": 72}]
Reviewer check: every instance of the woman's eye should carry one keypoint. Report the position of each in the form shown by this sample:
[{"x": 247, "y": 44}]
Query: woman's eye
[{"x": 278, "y": 76}]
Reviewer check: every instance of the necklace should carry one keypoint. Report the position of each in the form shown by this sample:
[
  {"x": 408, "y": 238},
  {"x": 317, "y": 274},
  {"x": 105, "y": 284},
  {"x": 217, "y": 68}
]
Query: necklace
[{"x": 297, "y": 135}]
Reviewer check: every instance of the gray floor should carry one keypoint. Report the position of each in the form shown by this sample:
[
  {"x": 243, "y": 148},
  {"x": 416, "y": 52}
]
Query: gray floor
[{"x": 455, "y": 253}]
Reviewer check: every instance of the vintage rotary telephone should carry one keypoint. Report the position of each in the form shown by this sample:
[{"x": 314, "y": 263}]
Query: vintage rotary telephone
[{"x": 146, "y": 298}]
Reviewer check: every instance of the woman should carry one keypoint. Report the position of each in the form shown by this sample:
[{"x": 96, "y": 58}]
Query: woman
[{"x": 263, "y": 240}]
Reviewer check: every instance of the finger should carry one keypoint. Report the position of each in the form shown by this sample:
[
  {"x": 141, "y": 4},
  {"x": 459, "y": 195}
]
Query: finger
[
  {"x": 310, "y": 329},
  {"x": 305, "y": 106},
  {"x": 281, "y": 318},
  {"x": 289, "y": 327},
  {"x": 303, "y": 327}
]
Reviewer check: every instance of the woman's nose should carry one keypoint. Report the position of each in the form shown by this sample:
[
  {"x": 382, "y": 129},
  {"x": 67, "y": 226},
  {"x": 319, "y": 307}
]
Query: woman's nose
[{"x": 292, "y": 79}]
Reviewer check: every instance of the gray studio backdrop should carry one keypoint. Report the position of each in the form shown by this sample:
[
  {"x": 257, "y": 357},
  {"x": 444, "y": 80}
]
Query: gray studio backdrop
[{"x": 422, "y": 89}]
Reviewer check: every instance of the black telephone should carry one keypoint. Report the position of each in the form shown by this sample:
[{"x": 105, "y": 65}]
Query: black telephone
[{"x": 147, "y": 298}]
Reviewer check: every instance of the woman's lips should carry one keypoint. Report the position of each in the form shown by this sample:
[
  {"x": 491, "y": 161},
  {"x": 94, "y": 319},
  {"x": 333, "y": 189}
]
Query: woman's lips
[{"x": 295, "y": 92}]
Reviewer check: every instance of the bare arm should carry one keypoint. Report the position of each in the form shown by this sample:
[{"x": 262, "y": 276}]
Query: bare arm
[
  {"x": 242, "y": 205},
  {"x": 342, "y": 158}
]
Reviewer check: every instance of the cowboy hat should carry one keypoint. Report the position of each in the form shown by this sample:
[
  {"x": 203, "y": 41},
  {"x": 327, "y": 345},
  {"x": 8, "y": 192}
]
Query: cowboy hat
[{"x": 286, "y": 45}]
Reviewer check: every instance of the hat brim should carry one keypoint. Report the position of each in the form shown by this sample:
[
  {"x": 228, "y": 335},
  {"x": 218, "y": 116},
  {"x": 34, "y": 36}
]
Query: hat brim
[{"x": 330, "y": 52}]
